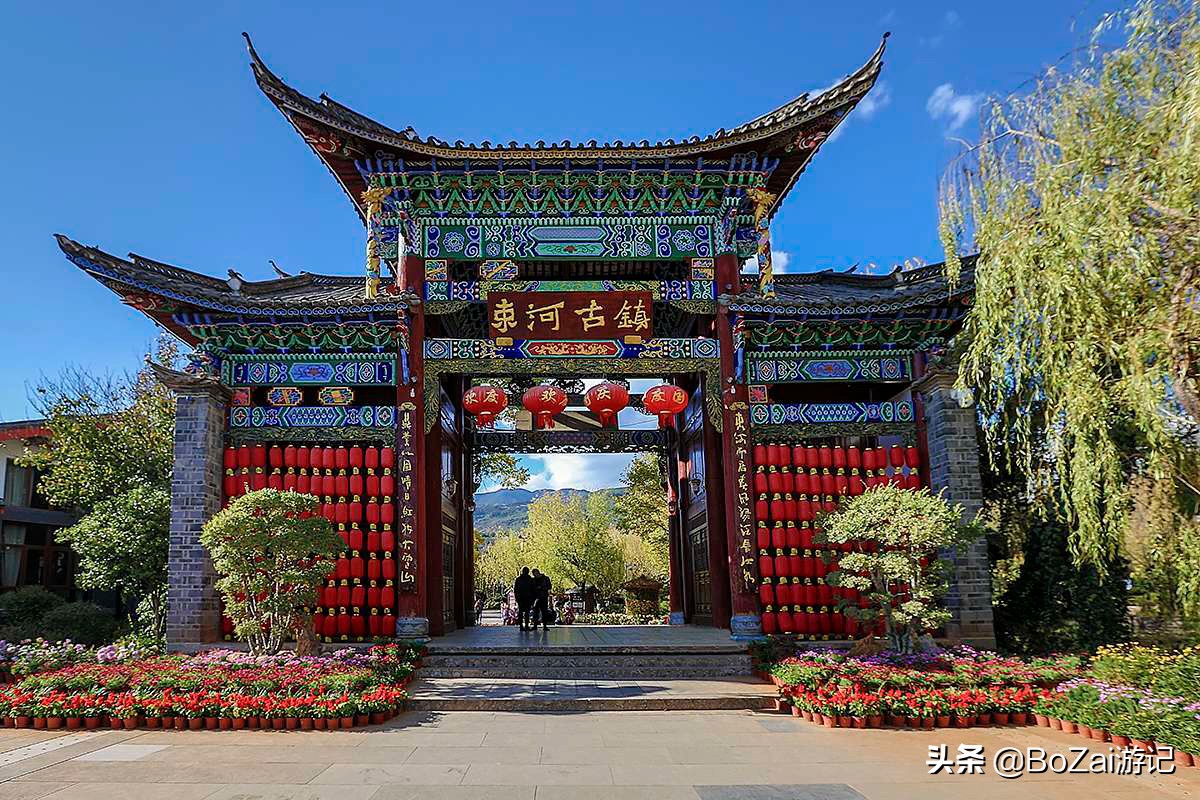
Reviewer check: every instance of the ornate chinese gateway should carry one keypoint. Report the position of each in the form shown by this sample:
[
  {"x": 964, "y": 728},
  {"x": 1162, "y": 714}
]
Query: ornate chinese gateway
[{"x": 512, "y": 266}]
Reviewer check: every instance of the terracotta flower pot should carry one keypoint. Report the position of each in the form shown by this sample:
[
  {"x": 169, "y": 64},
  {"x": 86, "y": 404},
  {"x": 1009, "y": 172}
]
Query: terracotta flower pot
[
  {"x": 211, "y": 723},
  {"x": 291, "y": 723},
  {"x": 1083, "y": 730},
  {"x": 895, "y": 721},
  {"x": 1042, "y": 720},
  {"x": 39, "y": 723},
  {"x": 278, "y": 723},
  {"x": 347, "y": 722},
  {"x": 361, "y": 719},
  {"x": 131, "y": 723},
  {"x": 942, "y": 721},
  {"x": 795, "y": 712},
  {"x": 984, "y": 719},
  {"x": 845, "y": 721},
  {"x": 306, "y": 723},
  {"x": 181, "y": 723},
  {"x": 1000, "y": 717},
  {"x": 225, "y": 724},
  {"x": 54, "y": 723},
  {"x": 116, "y": 723},
  {"x": 926, "y": 723},
  {"x": 875, "y": 721},
  {"x": 1141, "y": 744},
  {"x": 22, "y": 721},
  {"x": 912, "y": 722},
  {"x": 1120, "y": 741},
  {"x": 238, "y": 723},
  {"x": 73, "y": 723},
  {"x": 806, "y": 714},
  {"x": 859, "y": 722},
  {"x": 319, "y": 723},
  {"x": 828, "y": 721},
  {"x": 154, "y": 722},
  {"x": 964, "y": 721},
  {"x": 91, "y": 723},
  {"x": 1069, "y": 727},
  {"x": 1099, "y": 735},
  {"x": 1056, "y": 723},
  {"x": 1183, "y": 759},
  {"x": 1019, "y": 717},
  {"x": 332, "y": 723},
  {"x": 195, "y": 723}
]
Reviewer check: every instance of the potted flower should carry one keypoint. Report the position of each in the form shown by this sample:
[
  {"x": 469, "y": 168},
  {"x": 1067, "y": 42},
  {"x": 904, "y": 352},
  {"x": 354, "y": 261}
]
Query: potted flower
[{"x": 344, "y": 709}]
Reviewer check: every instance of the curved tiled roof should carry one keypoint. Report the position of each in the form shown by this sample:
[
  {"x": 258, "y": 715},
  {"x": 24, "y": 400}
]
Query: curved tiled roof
[
  {"x": 339, "y": 134},
  {"x": 303, "y": 294},
  {"x": 831, "y": 293}
]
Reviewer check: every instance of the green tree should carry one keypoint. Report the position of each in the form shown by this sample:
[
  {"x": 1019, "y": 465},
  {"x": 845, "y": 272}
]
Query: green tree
[
  {"x": 272, "y": 551},
  {"x": 641, "y": 511},
  {"x": 891, "y": 531},
  {"x": 498, "y": 565},
  {"x": 501, "y": 468},
  {"x": 1083, "y": 202},
  {"x": 122, "y": 545},
  {"x": 570, "y": 540},
  {"x": 109, "y": 457}
]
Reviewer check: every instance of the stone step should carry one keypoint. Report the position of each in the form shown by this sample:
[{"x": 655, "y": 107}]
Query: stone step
[
  {"x": 489, "y": 694},
  {"x": 589, "y": 665}
]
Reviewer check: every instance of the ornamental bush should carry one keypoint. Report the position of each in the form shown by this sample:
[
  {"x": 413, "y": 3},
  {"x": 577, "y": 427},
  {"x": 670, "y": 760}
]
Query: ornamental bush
[
  {"x": 272, "y": 551},
  {"x": 21, "y": 611},
  {"x": 889, "y": 538}
]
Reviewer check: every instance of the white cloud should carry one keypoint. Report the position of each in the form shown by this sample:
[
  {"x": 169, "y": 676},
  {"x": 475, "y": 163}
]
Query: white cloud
[
  {"x": 779, "y": 262},
  {"x": 949, "y": 22},
  {"x": 576, "y": 470},
  {"x": 879, "y": 98},
  {"x": 955, "y": 108},
  {"x": 888, "y": 18}
]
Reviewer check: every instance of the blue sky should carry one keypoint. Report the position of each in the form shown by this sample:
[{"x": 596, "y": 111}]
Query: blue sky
[{"x": 139, "y": 127}]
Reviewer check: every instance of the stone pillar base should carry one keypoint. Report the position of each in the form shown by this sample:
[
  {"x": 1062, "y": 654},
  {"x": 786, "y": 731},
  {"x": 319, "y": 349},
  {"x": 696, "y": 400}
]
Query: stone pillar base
[
  {"x": 676, "y": 618},
  {"x": 412, "y": 628},
  {"x": 745, "y": 627}
]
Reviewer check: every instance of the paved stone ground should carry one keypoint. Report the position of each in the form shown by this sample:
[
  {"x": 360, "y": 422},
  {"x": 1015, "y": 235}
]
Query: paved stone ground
[
  {"x": 479, "y": 756},
  {"x": 485, "y": 694}
]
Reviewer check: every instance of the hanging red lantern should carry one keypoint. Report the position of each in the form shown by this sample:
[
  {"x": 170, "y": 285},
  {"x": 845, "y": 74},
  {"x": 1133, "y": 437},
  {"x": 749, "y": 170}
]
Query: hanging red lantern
[
  {"x": 485, "y": 402},
  {"x": 666, "y": 401},
  {"x": 605, "y": 400},
  {"x": 544, "y": 402}
]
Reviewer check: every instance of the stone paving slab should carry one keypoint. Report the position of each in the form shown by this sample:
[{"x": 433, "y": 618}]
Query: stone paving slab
[
  {"x": 513, "y": 694},
  {"x": 717, "y": 755},
  {"x": 586, "y": 639}
]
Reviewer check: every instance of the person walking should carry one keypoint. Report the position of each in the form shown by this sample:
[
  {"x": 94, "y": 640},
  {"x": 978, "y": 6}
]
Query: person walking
[
  {"x": 478, "y": 608},
  {"x": 525, "y": 591},
  {"x": 541, "y": 601}
]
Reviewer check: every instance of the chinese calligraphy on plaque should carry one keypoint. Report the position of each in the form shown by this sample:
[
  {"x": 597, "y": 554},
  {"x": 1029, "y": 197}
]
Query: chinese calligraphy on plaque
[{"x": 570, "y": 315}]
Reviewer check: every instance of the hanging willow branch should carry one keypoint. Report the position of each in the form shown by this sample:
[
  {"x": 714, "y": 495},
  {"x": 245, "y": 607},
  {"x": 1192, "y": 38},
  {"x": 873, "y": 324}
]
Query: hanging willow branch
[{"x": 1083, "y": 202}]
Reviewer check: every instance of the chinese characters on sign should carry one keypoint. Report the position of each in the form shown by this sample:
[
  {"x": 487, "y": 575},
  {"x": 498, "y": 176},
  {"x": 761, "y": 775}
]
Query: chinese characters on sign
[
  {"x": 570, "y": 315},
  {"x": 406, "y": 517},
  {"x": 747, "y": 564}
]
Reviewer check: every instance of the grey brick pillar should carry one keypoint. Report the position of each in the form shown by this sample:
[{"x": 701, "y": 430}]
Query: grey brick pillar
[
  {"x": 193, "y": 606},
  {"x": 954, "y": 468}
]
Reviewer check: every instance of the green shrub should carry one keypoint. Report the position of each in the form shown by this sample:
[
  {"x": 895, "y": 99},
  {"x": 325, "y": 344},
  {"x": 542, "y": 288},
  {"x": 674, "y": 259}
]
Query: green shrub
[
  {"x": 21, "y": 612},
  {"x": 82, "y": 623}
]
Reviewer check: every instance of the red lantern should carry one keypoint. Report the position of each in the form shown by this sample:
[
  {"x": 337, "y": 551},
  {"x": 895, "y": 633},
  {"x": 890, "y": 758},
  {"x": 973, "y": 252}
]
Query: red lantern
[
  {"x": 544, "y": 402},
  {"x": 666, "y": 401},
  {"x": 605, "y": 400},
  {"x": 485, "y": 402}
]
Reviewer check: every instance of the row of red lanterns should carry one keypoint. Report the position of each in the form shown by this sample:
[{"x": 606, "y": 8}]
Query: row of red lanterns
[
  {"x": 605, "y": 400},
  {"x": 301, "y": 458},
  {"x": 813, "y": 624},
  {"x": 823, "y": 457},
  {"x": 801, "y": 592},
  {"x": 342, "y": 625}
]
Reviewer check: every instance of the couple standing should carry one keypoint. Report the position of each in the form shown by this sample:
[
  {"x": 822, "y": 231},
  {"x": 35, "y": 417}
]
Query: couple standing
[{"x": 533, "y": 597}]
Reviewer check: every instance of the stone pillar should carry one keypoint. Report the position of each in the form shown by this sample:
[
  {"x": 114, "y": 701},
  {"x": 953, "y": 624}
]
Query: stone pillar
[
  {"x": 953, "y": 452},
  {"x": 193, "y": 605}
]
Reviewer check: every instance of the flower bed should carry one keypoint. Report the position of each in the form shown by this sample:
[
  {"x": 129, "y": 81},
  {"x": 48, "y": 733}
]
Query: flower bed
[
  {"x": 219, "y": 689},
  {"x": 1135, "y": 696},
  {"x": 961, "y": 687}
]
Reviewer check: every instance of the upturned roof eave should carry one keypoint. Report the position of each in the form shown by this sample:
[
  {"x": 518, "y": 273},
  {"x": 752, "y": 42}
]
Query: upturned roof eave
[{"x": 765, "y": 129}]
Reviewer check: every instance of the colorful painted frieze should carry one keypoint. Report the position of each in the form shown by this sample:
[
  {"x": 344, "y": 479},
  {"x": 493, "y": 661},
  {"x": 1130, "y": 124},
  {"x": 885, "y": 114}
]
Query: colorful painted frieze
[
  {"x": 312, "y": 417},
  {"x": 823, "y": 413},
  {"x": 600, "y": 238},
  {"x": 791, "y": 369},
  {"x": 452, "y": 349},
  {"x": 312, "y": 371}
]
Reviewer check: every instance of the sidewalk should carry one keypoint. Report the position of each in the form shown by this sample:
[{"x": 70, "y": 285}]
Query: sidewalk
[{"x": 516, "y": 756}]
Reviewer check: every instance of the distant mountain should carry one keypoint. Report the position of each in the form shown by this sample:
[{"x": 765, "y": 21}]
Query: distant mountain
[{"x": 508, "y": 509}]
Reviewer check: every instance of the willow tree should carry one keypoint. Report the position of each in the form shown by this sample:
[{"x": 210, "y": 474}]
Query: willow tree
[{"x": 1082, "y": 201}]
